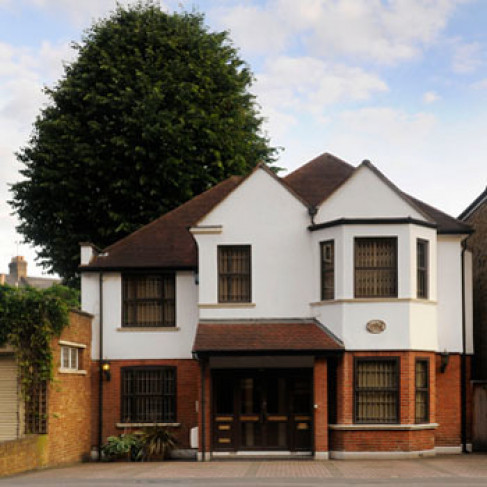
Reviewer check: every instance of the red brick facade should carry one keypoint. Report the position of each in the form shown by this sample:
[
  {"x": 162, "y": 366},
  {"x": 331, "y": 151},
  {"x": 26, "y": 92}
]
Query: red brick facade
[
  {"x": 187, "y": 389},
  {"x": 442, "y": 429},
  {"x": 444, "y": 408}
]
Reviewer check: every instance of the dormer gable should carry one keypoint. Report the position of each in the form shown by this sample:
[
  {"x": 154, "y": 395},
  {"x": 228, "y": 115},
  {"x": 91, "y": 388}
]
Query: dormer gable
[
  {"x": 367, "y": 193},
  {"x": 261, "y": 196}
]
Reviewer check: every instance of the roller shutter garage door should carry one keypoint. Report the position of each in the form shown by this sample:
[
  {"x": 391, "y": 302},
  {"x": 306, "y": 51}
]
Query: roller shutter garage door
[{"x": 9, "y": 398}]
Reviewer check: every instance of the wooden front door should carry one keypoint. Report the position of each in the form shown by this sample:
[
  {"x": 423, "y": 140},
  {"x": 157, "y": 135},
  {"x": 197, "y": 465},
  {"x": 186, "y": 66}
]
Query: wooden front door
[{"x": 265, "y": 409}]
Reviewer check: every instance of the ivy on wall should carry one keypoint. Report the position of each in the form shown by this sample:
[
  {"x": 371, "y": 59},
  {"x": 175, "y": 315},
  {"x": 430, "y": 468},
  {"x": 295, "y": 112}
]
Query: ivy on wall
[{"x": 29, "y": 319}]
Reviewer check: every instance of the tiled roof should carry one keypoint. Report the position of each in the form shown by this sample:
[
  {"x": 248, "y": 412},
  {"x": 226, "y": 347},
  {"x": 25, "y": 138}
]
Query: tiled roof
[
  {"x": 319, "y": 178},
  {"x": 167, "y": 243},
  {"x": 265, "y": 336}
]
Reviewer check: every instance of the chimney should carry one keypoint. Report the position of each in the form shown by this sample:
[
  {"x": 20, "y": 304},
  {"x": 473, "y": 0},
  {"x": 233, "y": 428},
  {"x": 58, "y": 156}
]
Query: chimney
[{"x": 18, "y": 268}]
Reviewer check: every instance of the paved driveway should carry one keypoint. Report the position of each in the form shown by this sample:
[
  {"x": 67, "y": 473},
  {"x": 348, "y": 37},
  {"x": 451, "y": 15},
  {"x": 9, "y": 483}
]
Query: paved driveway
[{"x": 462, "y": 471}]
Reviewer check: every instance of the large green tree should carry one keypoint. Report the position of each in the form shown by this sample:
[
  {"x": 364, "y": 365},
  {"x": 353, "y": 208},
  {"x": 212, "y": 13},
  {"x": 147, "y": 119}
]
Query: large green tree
[{"x": 155, "y": 109}]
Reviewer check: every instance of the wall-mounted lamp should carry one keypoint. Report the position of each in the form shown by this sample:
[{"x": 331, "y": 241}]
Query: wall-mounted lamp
[
  {"x": 445, "y": 358},
  {"x": 105, "y": 367}
]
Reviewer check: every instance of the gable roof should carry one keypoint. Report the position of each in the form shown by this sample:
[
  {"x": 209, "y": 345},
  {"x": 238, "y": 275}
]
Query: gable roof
[{"x": 166, "y": 243}]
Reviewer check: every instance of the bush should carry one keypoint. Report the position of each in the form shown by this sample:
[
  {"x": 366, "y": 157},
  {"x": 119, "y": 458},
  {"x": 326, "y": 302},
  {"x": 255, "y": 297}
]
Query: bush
[
  {"x": 157, "y": 442},
  {"x": 124, "y": 446}
]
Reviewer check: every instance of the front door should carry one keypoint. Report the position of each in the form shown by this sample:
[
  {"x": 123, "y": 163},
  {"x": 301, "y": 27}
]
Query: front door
[{"x": 266, "y": 409}]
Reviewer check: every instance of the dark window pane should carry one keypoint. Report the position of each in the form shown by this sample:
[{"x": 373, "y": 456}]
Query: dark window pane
[
  {"x": 376, "y": 391},
  {"x": 327, "y": 270},
  {"x": 422, "y": 268},
  {"x": 422, "y": 391},
  {"x": 375, "y": 267},
  {"x": 234, "y": 278},
  {"x": 149, "y": 300},
  {"x": 149, "y": 395}
]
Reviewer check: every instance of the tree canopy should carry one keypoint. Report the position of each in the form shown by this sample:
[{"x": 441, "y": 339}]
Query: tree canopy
[{"x": 155, "y": 109}]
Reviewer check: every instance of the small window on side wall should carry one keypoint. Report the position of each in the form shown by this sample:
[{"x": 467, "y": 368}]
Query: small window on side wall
[
  {"x": 422, "y": 391},
  {"x": 327, "y": 250},
  {"x": 69, "y": 358},
  {"x": 234, "y": 275},
  {"x": 422, "y": 268}
]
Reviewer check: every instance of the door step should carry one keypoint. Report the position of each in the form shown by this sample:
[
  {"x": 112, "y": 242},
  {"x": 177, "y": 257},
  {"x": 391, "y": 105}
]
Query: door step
[{"x": 262, "y": 455}]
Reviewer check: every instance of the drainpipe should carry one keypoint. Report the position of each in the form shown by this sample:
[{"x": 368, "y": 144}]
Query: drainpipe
[
  {"x": 463, "y": 363},
  {"x": 100, "y": 377}
]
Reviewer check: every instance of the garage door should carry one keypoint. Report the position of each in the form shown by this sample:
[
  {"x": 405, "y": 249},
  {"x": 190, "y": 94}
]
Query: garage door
[{"x": 9, "y": 403}]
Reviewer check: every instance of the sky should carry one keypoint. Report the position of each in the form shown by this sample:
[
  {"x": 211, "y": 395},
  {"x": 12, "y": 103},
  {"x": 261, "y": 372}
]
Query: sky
[{"x": 402, "y": 83}]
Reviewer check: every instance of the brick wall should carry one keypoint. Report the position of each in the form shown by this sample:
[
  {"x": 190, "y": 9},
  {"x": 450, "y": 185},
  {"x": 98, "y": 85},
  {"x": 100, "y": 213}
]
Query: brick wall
[
  {"x": 321, "y": 402},
  {"x": 24, "y": 454},
  {"x": 69, "y": 403},
  {"x": 187, "y": 381}
]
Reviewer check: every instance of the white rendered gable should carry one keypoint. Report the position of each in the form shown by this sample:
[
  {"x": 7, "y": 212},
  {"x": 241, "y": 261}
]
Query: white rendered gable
[{"x": 366, "y": 195}]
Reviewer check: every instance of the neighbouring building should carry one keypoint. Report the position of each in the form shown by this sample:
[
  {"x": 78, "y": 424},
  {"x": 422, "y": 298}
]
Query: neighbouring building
[
  {"x": 476, "y": 215},
  {"x": 18, "y": 277},
  {"x": 325, "y": 313}
]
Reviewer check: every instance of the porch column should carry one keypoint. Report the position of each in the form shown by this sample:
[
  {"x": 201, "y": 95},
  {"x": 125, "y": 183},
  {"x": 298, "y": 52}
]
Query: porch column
[
  {"x": 320, "y": 388},
  {"x": 204, "y": 413}
]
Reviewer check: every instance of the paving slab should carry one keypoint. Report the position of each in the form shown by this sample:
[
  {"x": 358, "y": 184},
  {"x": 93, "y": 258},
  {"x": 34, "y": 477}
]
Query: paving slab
[{"x": 461, "y": 470}]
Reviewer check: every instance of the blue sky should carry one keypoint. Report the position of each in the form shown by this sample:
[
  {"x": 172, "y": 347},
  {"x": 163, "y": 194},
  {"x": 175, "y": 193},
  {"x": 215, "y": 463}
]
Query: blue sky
[{"x": 400, "y": 82}]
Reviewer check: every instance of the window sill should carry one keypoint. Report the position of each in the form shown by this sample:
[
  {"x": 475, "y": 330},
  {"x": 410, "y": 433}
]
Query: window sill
[
  {"x": 143, "y": 425},
  {"x": 373, "y": 300},
  {"x": 383, "y": 427},
  {"x": 225, "y": 305},
  {"x": 72, "y": 371},
  {"x": 149, "y": 328}
]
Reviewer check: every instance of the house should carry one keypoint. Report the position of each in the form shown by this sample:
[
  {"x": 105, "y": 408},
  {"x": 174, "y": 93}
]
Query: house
[
  {"x": 476, "y": 215},
  {"x": 18, "y": 277},
  {"x": 325, "y": 313}
]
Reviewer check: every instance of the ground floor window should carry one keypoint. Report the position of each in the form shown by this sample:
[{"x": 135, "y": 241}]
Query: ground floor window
[
  {"x": 148, "y": 394},
  {"x": 376, "y": 390},
  {"x": 422, "y": 391}
]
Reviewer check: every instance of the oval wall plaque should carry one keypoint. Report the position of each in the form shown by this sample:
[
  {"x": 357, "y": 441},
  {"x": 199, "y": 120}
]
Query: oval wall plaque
[{"x": 375, "y": 326}]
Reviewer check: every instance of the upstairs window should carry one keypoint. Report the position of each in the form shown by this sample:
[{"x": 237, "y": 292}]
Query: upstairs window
[
  {"x": 375, "y": 267},
  {"x": 422, "y": 268},
  {"x": 327, "y": 250},
  {"x": 234, "y": 279},
  {"x": 69, "y": 358},
  {"x": 149, "y": 300}
]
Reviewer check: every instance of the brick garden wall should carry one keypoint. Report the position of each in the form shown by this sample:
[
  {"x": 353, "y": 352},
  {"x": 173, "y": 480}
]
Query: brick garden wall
[{"x": 69, "y": 414}]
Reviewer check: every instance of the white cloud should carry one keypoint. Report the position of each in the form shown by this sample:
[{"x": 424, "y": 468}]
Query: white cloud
[
  {"x": 431, "y": 97},
  {"x": 308, "y": 85},
  {"x": 467, "y": 57},
  {"x": 384, "y": 32},
  {"x": 480, "y": 85}
]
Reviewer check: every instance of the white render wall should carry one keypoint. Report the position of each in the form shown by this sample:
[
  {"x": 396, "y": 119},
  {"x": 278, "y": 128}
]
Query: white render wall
[
  {"x": 262, "y": 213},
  {"x": 129, "y": 343},
  {"x": 365, "y": 195}
]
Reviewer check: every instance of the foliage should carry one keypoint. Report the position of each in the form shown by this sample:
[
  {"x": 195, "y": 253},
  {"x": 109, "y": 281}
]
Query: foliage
[
  {"x": 157, "y": 442},
  {"x": 29, "y": 319},
  {"x": 154, "y": 110},
  {"x": 127, "y": 445}
]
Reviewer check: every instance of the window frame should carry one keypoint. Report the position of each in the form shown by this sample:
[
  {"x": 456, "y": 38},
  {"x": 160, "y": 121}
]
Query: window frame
[
  {"x": 72, "y": 351},
  {"x": 425, "y": 390},
  {"x": 151, "y": 368},
  {"x": 394, "y": 359},
  {"x": 394, "y": 240},
  {"x": 247, "y": 298},
  {"x": 161, "y": 300},
  {"x": 422, "y": 269},
  {"x": 324, "y": 270}
]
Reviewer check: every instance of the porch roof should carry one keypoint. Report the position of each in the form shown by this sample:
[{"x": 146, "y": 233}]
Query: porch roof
[{"x": 257, "y": 337}]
